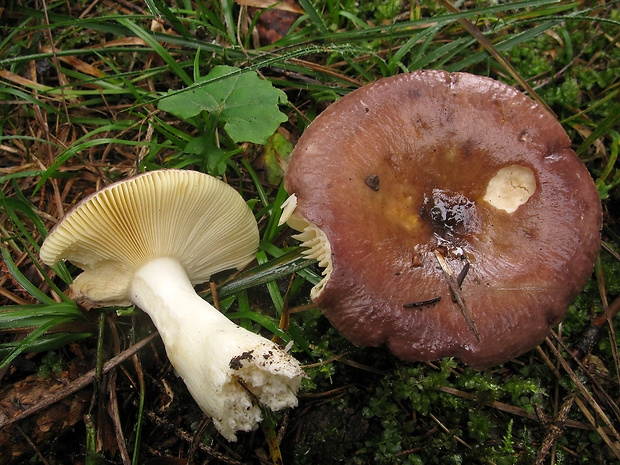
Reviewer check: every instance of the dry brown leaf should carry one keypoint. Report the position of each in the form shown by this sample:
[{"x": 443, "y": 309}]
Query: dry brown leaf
[
  {"x": 49, "y": 423},
  {"x": 276, "y": 5},
  {"x": 598, "y": 143},
  {"x": 17, "y": 79},
  {"x": 123, "y": 41},
  {"x": 78, "y": 64}
]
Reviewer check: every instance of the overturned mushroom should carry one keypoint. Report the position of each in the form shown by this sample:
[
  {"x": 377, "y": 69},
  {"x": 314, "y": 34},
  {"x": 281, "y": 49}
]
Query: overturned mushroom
[
  {"x": 147, "y": 241},
  {"x": 477, "y": 229}
]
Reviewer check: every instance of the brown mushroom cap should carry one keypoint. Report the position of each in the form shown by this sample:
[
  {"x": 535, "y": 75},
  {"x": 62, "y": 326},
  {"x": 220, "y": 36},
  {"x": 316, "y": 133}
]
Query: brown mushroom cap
[{"x": 427, "y": 166}]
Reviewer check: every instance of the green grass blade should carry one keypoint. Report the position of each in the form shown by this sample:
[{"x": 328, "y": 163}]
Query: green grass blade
[
  {"x": 158, "y": 8},
  {"x": 44, "y": 343},
  {"x": 505, "y": 45},
  {"x": 27, "y": 316},
  {"x": 266, "y": 322},
  {"x": 22, "y": 280},
  {"x": 402, "y": 51},
  {"x": 602, "y": 128},
  {"x": 11, "y": 205},
  {"x": 271, "y": 270},
  {"x": 275, "y": 213},
  {"x": 305, "y": 272},
  {"x": 315, "y": 16},
  {"x": 158, "y": 48},
  {"x": 27, "y": 342},
  {"x": 259, "y": 185},
  {"x": 272, "y": 286},
  {"x": 354, "y": 19},
  {"x": 79, "y": 146},
  {"x": 19, "y": 94},
  {"x": 227, "y": 7}
]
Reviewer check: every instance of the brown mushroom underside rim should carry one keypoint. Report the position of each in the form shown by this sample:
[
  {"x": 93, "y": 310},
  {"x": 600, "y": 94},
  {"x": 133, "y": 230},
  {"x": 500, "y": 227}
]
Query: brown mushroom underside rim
[{"x": 429, "y": 165}]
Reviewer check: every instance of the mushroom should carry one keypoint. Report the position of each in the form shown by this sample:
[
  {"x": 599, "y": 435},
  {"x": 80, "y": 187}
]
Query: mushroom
[
  {"x": 449, "y": 213},
  {"x": 147, "y": 241}
]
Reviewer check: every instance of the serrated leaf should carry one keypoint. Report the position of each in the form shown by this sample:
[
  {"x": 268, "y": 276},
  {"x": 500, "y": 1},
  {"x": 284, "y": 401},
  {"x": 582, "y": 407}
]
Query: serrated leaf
[{"x": 244, "y": 103}]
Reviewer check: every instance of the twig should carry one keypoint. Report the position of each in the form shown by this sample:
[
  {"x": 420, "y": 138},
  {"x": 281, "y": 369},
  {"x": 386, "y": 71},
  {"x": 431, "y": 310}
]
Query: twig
[
  {"x": 284, "y": 426},
  {"x": 28, "y": 440},
  {"x": 504, "y": 407},
  {"x": 82, "y": 381},
  {"x": 461, "y": 277},
  {"x": 337, "y": 392},
  {"x": 610, "y": 251},
  {"x": 443, "y": 427},
  {"x": 456, "y": 292},
  {"x": 62, "y": 81},
  {"x": 116, "y": 421},
  {"x": 463, "y": 274},
  {"x": 188, "y": 438},
  {"x": 583, "y": 390},
  {"x": 422, "y": 303},
  {"x": 139, "y": 420},
  {"x": 216, "y": 299},
  {"x": 555, "y": 429},
  {"x": 591, "y": 335},
  {"x": 608, "y": 313},
  {"x": 586, "y": 394},
  {"x": 611, "y": 311},
  {"x": 113, "y": 409},
  {"x": 197, "y": 439},
  {"x": 341, "y": 359},
  {"x": 595, "y": 384}
]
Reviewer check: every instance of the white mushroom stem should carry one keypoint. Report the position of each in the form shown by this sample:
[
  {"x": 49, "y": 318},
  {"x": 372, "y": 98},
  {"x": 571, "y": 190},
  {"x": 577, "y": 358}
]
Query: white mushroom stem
[{"x": 227, "y": 369}]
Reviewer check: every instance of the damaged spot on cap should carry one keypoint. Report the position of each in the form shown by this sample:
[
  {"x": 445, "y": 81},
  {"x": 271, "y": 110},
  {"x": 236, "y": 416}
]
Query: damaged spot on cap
[
  {"x": 372, "y": 181},
  {"x": 510, "y": 188}
]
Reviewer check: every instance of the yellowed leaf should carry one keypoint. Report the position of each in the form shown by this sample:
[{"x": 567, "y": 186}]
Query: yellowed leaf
[
  {"x": 125, "y": 41},
  {"x": 598, "y": 143},
  {"x": 278, "y": 5},
  {"x": 17, "y": 79},
  {"x": 78, "y": 64}
]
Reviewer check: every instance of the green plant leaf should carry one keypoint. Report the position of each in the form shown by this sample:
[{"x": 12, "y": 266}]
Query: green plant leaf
[
  {"x": 246, "y": 104},
  {"x": 276, "y": 153}
]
